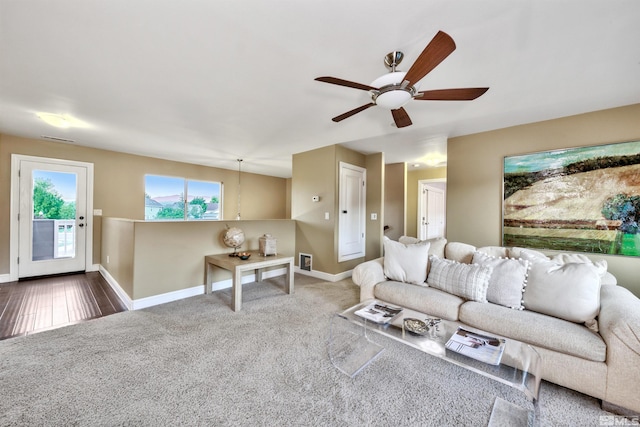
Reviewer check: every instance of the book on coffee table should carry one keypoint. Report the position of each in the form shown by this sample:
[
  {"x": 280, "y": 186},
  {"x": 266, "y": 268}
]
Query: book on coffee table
[
  {"x": 379, "y": 312},
  {"x": 480, "y": 347}
]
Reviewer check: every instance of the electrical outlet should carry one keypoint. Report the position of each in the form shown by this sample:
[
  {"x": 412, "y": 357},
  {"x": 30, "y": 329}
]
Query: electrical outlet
[
  {"x": 107, "y": 259},
  {"x": 374, "y": 217}
]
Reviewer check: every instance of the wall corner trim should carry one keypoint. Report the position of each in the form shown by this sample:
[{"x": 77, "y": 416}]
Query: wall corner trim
[{"x": 128, "y": 302}]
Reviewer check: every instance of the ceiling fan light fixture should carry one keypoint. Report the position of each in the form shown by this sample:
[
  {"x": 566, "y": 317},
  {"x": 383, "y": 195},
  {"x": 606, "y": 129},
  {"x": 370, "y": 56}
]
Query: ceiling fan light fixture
[
  {"x": 391, "y": 94},
  {"x": 393, "y": 99}
]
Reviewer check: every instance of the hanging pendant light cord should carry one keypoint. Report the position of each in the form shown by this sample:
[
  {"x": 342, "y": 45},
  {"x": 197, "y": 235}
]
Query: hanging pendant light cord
[{"x": 239, "y": 174}]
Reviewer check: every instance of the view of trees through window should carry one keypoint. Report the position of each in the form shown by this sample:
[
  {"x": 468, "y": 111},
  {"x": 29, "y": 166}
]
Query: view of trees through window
[
  {"x": 48, "y": 201},
  {"x": 173, "y": 198}
]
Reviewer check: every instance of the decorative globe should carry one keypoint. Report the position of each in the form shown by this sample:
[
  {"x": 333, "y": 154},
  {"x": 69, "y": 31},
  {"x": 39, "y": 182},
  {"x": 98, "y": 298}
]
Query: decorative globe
[{"x": 233, "y": 237}]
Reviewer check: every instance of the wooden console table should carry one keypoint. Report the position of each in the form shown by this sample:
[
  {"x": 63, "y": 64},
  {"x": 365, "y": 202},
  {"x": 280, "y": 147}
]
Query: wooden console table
[{"x": 236, "y": 266}]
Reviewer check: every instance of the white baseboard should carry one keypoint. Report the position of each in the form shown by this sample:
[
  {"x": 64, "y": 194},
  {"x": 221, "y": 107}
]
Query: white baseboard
[
  {"x": 5, "y": 278},
  {"x": 325, "y": 276},
  {"x": 180, "y": 294},
  {"x": 128, "y": 302},
  {"x": 167, "y": 297},
  {"x": 215, "y": 286}
]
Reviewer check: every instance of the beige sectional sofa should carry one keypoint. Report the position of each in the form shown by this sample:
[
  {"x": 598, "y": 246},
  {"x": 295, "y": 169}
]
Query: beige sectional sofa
[{"x": 585, "y": 327}]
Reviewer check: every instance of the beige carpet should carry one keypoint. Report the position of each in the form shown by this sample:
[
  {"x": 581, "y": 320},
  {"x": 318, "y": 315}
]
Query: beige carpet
[{"x": 196, "y": 362}]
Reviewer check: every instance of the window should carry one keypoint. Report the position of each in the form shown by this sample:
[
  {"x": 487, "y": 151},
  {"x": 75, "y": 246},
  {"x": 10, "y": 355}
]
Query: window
[{"x": 164, "y": 199}]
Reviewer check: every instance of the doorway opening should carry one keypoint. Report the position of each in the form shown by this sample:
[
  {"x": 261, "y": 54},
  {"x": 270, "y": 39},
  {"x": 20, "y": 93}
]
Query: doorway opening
[
  {"x": 51, "y": 216},
  {"x": 431, "y": 209}
]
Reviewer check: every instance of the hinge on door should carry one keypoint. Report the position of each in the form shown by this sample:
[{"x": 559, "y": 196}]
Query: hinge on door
[
  {"x": 18, "y": 260},
  {"x": 18, "y": 216}
]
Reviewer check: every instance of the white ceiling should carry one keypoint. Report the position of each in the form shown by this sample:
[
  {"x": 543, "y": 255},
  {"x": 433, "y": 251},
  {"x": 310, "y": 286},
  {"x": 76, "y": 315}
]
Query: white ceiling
[{"x": 211, "y": 81}]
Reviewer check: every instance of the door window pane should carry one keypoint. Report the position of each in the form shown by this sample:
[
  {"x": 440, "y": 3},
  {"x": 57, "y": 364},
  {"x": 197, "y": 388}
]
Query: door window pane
[{"x": 54, "y": 214}]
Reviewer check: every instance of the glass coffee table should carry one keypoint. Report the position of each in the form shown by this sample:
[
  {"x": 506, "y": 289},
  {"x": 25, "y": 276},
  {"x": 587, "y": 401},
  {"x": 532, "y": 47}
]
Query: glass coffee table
[{"x": 351, "y": 349}]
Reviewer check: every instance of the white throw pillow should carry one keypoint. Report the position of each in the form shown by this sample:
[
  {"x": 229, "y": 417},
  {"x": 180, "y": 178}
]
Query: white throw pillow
[
  {"x": 568, "y": 291},
  {"x": 406, "y": 263},
  {"x": 507, "y": 281},
  {"x": 600, "y": 265},
  {"x": 469, "y": 281},
  {"x": 436, "y": 247}
]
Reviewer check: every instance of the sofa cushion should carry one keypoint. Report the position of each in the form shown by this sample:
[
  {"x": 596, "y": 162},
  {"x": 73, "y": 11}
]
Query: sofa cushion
[
  {"x": 420, "y": 298},
  {"x": 507, "y": 281},
  {"x": 529, "y": 254},
  {"x": 568, "y": 291},
  {"x": 406, "y": 263},
  {"x": 460, "y": 252},
  {"x": 536, "y": 329},
  {"x": 469, "y": 281}
]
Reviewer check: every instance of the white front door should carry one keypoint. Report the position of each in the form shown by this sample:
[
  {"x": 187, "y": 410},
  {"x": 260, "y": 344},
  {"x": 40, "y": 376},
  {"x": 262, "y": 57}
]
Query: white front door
[
  {"x": 53, "y": 218},
  {"x": 352, "y": 212},
  {"x": 431, "y": 212}
]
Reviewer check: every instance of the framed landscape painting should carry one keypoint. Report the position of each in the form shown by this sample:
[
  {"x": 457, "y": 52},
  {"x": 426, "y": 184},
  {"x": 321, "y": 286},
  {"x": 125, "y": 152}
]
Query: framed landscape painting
[{"x": 578, "y": 199}]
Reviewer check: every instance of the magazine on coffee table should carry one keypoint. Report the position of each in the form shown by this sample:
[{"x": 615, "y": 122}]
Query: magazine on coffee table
[
  {"x": 480, "y": 347},
  {"x": 379, "y": 312}
]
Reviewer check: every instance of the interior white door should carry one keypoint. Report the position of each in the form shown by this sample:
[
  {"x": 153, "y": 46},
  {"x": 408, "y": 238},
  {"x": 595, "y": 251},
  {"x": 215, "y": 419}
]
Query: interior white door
[
  {"x": 352, "y": 212},
  {"x": 431, "y": 215},
  {"x": 52, "y": 218}
]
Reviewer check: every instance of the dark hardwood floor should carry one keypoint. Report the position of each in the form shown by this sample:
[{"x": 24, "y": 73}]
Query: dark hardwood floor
[{"x": 35, "y": 305}]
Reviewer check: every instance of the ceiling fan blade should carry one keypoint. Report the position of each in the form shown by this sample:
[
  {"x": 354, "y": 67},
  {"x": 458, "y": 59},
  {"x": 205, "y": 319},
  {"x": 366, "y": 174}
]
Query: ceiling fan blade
[
  {"x": 347, "y": 83},
  {"x": 466, "y": 94},
  {"x": 436, "y": 51},
  {"x": 352, "y": 112},
  {"x": 401, "y": 117}
]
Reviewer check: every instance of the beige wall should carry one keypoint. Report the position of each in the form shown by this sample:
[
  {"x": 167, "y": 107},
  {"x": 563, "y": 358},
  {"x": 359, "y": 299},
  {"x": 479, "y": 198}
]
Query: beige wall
[
  {"x": 316, "y": 173},
  {"x": 119, "y": 185},
  {"x": 475, "y": 165},
  {"x": 375, "y": 204},
  {"x": 395, "y": 196},
  {"x": 413, "y": 177},
  {"x": 154, "y": 258},
  {"x": 118, "y": 245}
]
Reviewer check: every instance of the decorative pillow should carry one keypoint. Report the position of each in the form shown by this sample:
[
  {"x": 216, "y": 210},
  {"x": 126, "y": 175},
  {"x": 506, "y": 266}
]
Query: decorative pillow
[
  {"x": 507, "y": 281},
  {"x": 568, "y": 291},
  {"x": 469, "y": 281},
  {"x": 436, "y": 245},
  {"x": 408, "y": 240},
  {"x": 600, "y": 265},
  {"x": 406, "y": 263}
]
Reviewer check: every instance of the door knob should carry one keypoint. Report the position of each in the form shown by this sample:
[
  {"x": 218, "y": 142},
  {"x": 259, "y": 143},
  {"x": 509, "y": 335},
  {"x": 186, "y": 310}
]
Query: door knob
[
  {"x": 81, "y": 218},
  {"x": 80, "y": 225}
]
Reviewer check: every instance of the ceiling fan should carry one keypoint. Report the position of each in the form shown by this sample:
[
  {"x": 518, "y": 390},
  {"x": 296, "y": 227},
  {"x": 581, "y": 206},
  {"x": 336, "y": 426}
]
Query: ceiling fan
[{"x": 395, "y": 89}]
